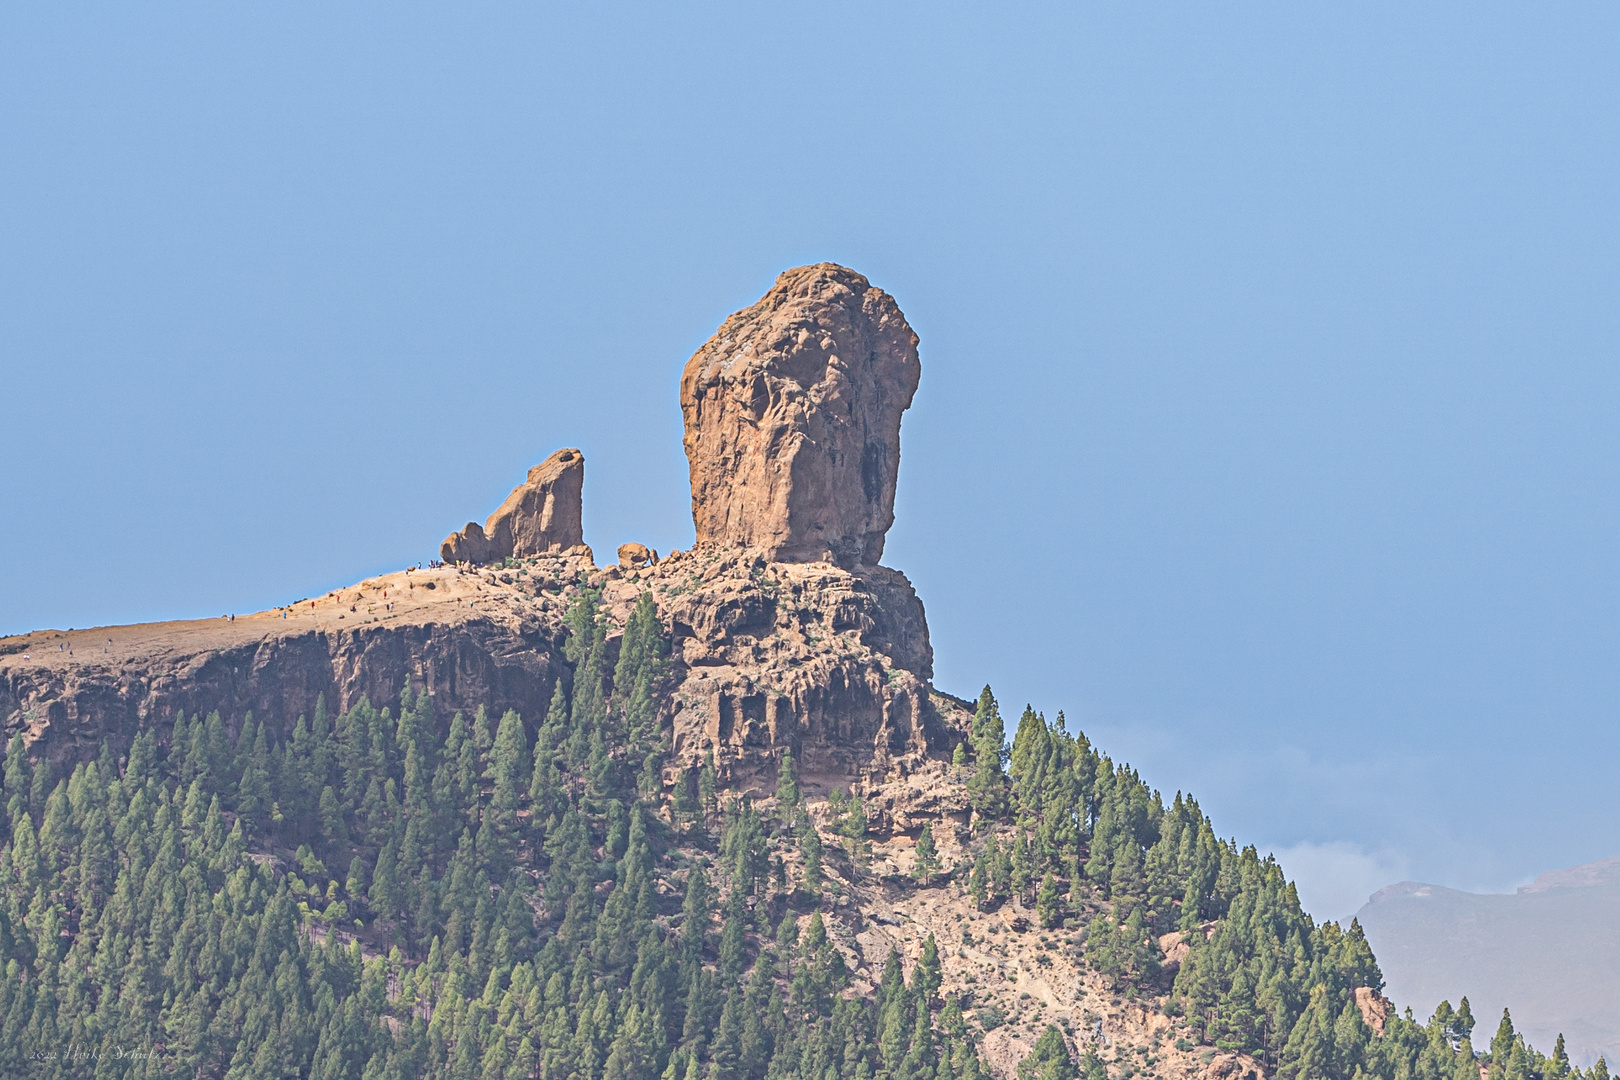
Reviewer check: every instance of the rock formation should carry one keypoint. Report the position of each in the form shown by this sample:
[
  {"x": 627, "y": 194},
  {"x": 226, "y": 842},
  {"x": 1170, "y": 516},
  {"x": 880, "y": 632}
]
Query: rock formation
[
  {"x": 792, "y": 413},
  {"x": 786, "y": 634},
  {"x": 540, "y": 517}
]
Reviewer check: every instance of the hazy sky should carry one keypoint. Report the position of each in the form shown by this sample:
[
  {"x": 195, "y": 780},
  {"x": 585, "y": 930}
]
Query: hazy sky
[{"x": 1270, "y": 382}]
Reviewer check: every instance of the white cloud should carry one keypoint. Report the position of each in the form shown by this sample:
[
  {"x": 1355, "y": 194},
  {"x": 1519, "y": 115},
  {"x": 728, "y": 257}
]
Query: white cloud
[{"x": 1336, "y": 878}]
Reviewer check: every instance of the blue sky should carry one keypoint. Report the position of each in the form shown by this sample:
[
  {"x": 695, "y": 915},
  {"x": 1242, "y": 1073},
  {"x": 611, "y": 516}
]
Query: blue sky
[{"x": 1267, "y": 415}]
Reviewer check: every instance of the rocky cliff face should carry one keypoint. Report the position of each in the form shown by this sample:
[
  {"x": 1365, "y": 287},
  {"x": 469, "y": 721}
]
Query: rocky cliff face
[
  {"x": 792, "y": 415},
  {"x": 445, "y": 632},
  {"x": 540, "y": 517},
  {"x": 767, "y": 657},
  {"x": 830, "y": 663}
]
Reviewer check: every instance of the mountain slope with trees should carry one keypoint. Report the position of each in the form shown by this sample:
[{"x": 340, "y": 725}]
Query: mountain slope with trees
[{"x": 390, "y": 892}]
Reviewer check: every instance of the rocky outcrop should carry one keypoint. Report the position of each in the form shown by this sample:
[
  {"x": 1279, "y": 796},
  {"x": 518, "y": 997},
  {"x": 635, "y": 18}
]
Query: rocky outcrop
[
  {"x": 540, "y": 517},
  {"x": 1375, "y": 1008},
  {"x": 1175, "y": 948},
  {"x": 792, "y": 413},
  {"x": 785, "y": 635}
]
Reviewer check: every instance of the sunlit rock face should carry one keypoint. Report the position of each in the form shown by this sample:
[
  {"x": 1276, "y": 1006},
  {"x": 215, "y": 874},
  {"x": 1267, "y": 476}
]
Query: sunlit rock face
[{"x": 792, "y": 413}]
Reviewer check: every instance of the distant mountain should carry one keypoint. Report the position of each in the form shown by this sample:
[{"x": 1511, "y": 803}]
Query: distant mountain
[
  {"x": 1550, "y": 954},
  {"x": 1602, "y": 872}
]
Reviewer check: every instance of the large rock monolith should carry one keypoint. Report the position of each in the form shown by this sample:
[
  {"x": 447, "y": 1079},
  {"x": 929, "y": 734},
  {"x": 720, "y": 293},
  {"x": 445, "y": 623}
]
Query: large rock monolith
[{"x": 792, "y": 413}]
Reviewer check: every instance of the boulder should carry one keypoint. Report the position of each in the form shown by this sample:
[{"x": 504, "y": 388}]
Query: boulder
[
  {"x": 632, "y": 556},
  {"x": 792, "y": 413},
  {"x": 540, "y": 517}
]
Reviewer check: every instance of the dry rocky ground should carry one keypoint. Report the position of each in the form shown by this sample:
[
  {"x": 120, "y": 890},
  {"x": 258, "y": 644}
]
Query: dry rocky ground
[{"x": 1001, "y": 961}]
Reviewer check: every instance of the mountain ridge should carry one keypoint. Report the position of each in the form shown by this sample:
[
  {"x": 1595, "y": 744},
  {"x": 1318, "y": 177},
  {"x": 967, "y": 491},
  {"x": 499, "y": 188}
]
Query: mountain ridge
[
  {"x": 1548, "y": 951},
  {"x": 702, "y": 817}
]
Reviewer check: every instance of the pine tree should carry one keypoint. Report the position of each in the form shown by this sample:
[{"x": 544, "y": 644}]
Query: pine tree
[
  {"x": 586, "y": 648},
  {"x": 334, "y": 830},
  {"x": 253, "y": 791},
  {"x": 1136, "y": 950},
  {"x": 708, "y": 790},
  {"x": 359, "y": 874},
  {"x": 1463, "y": 1025},
  {"x": 810, "y": 849},
  {"x": 1502, "y": 1046},
  {"x": 509, "y": 762},
  {"x": 639, "y": 674},
  {"x": 1020, "y": 867},
  {"x": 852, "y": 825},
  {"x": 508, "y": 770},
  {"x": 1558, "y": 1065},
  {"x": 927, "y": 858},
  {"x": 696, "y": 911},
  {"x": 1001, "y": 872},
  {"x": 18, "y": 773},
  {"x": 686, "y": 808},
  {"x": 384, "y": 890},
  {"x": 987, "y": 787},
  {"x": 979, "y": 881},
  {"x": 217, "y": 748},
  {"x": 1049, "y": 1060},
  {"x": 1049, "y": 904},
  {"x": 733, "y": 939},
  {"x": 787, "y": 791},
  {"x": 926, "y": 979}
]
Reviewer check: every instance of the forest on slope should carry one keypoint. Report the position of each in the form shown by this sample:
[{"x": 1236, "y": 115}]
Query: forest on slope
[{"x": 388, "y": 892}]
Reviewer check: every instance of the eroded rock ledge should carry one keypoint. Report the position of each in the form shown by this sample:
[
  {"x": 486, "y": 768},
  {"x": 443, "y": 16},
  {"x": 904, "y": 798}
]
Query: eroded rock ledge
[
  {"x": 449, "y": 633},
  {"x": 831, "y": 663}
]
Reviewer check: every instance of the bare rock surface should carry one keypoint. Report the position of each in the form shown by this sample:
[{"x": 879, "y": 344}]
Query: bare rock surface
[
  {"x": 540, "y": 517},
  {"x": 1374, "y": 1007},
  {"x": 792, "y": 413}
]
